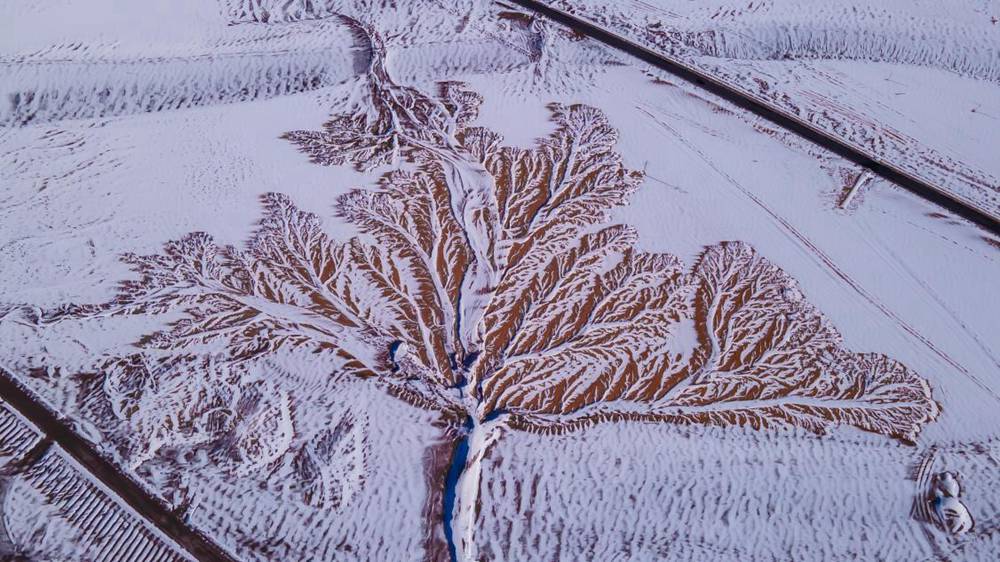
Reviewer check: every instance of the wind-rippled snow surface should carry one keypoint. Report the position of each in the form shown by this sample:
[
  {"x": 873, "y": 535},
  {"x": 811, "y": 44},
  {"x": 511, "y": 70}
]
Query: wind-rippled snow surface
[
  {"x": 444, "y": 280},
  {"x": 80, "y": 79},
  {"x": 872, "y": 73},
  {"x": 53, "y": 511}
]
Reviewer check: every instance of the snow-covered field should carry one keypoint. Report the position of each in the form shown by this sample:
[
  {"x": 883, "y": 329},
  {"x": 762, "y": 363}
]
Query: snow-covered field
[
  {"x": 52, "y": 510},
  {"x": 443, "y": 280},
  {"x": 914, "y": 84}
]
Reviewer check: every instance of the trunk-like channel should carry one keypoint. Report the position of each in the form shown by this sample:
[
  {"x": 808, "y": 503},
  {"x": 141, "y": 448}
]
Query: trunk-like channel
[
  {"x": 461, "y": 489},
  {"x": 458, "y": 460}
]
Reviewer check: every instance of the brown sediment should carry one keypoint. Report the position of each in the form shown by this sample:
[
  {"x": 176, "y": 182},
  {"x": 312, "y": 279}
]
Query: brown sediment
[
  {"x": 392, "y": 122},
  {"x": 763, "y": 358},
  {"x": 577, "y": 320},
  {"x": 573, "y": 324}
]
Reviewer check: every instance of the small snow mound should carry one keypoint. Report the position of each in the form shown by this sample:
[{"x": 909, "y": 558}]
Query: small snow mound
[{"x": 952, "y": 515}]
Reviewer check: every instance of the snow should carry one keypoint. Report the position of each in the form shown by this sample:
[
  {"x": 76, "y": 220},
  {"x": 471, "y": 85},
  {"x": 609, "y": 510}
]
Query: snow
[
  {"x": 871, "y": 73},
  {"x": 166, "y": 119},
  {"x": 52, "y": 510}
]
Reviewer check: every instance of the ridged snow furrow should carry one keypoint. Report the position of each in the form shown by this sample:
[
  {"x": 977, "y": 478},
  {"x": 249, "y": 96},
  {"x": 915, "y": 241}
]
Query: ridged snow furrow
[
  {"x": 95, "y": 90},
  {"x": 51, "y": 494},
  {"x": 216, "y": 40},
  {"x": 664, "y": 493},
  {"x": 965, "y": 41},
  {"x": 385, "y": 520},
  {"x": 82, "y": 81},
  {"x": 977, "y": 56},
  {"x": 106, "y": 531},
  {"x": 16, "y": 436}
]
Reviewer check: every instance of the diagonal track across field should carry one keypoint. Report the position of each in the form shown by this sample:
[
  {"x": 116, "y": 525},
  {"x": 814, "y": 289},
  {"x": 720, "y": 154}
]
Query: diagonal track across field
[
  {"x": 945, "y": 198},
  {"x": 59, "y": 431}
]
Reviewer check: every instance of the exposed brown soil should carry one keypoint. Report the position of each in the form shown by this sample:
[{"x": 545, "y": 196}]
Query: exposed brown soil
[
  {"x": 494, "y": 279},
  {"x": 437, "y": 459}
]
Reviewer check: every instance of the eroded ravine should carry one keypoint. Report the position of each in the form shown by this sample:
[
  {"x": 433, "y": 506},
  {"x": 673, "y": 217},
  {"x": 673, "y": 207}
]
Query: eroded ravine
[
  {"x": 574, "y": 325},
  {"x": 463, "y": 483}
]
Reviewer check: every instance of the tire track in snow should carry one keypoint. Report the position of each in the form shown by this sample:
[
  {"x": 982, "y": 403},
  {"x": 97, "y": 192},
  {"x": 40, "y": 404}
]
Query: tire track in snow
[
  {"x": 948, "y": 199},
  {"x": 886, "y": 251}
]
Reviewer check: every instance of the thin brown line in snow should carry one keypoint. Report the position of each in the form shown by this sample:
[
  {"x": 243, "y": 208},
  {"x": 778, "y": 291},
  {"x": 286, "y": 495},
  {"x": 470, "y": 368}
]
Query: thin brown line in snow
[
  {"x": 58, "y": 430},
  {"x": 940, "y": 196}
]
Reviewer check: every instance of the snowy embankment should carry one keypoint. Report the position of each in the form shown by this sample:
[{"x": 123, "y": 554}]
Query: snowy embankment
[
  {"x": 846, "y": 32},
  {"x": 241, "y": 63}
]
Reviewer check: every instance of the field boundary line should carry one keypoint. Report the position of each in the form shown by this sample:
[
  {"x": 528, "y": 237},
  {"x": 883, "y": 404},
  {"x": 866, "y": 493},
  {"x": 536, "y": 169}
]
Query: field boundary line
[{"x": 948, "y": 199}]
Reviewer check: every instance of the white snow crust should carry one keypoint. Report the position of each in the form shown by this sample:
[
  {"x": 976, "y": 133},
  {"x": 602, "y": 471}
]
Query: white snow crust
[{"x": 124, "y": 126}]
